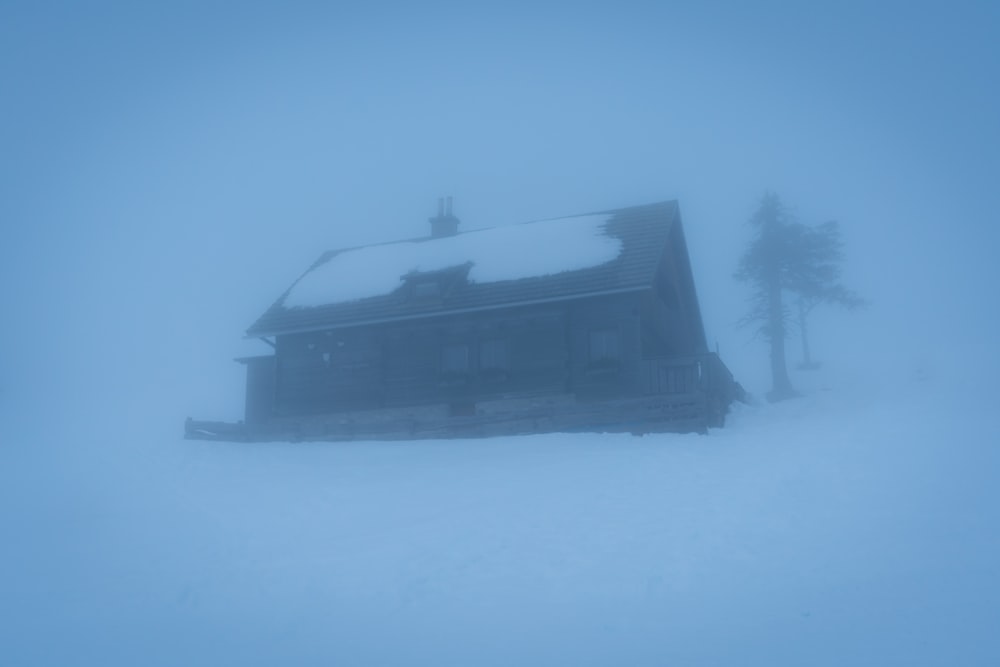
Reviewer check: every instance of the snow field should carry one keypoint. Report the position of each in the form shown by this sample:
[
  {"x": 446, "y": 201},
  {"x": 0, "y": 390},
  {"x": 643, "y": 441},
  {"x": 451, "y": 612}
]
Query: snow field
[{"x": 845, "y": 527}]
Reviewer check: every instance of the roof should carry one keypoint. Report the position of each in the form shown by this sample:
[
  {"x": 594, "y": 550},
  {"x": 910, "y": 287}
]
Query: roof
[{"x": 610, "y": 251}]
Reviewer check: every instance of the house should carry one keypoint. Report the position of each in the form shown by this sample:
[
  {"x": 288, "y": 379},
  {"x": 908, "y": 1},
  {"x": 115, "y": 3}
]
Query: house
[{"x": 588, "y": 322}]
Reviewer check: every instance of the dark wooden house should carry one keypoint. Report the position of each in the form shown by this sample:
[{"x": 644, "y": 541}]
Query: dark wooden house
[{"x": 587, "y": 323}]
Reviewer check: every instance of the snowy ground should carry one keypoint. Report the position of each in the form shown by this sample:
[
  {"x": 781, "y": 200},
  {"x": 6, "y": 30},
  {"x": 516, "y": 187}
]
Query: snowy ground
[{"x": 849, "y": 527}]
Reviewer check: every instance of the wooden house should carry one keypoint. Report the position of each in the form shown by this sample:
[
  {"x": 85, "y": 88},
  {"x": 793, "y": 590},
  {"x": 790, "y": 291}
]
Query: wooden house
[{"x": 585, "y": 323}]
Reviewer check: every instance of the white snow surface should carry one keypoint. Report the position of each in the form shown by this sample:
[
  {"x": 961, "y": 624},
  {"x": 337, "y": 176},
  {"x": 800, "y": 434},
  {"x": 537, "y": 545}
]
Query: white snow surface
[
  {"x": 853, "y": 526},
  {"x": 500, "y": 253}
]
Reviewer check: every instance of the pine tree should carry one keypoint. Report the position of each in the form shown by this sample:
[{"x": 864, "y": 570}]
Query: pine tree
[
  {"x": 818, "y": 281},
  {"x": 787, "y": 257},
  {"x": 764, "y": 266}
]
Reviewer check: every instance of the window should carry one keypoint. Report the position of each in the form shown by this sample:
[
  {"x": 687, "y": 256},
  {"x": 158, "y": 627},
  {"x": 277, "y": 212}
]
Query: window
[
  {"x": 427, "y": 289},
  {"x": 433, "y": 286},
  {"x": 455, "y": 359},
  {"x": 493, "y": 356},
  {"x": 604, "y": 347}
]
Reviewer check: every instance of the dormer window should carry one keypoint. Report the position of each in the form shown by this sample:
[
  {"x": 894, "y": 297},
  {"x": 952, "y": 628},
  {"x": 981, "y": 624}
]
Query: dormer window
[
  {"x": 426, "y": 289},
  {"x": 434, "y": 286}
]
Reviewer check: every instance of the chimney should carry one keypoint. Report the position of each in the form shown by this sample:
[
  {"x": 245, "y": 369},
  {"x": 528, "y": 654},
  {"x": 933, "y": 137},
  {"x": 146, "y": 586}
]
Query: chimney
[{"x": 445, "y": 223}]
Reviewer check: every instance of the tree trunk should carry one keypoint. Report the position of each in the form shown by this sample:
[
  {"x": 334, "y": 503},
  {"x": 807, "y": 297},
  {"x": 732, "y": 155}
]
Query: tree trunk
[
  {"x": 806, "y": 357},
  {"x": 781, "y": 384}
]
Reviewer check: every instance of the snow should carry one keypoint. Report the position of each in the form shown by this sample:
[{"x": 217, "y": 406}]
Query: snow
[
  {"x": 853, "y": 526},
  {"x": 500, "y": 253}
]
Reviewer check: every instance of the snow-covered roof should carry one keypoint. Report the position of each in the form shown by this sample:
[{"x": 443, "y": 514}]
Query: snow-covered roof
[
  {"x": 501, "y": 267},
  {"x": 501, "y": 253}
]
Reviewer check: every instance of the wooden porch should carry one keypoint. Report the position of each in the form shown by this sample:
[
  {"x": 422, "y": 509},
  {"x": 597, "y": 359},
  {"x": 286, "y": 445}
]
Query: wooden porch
[{"x": 681, "y": 395}]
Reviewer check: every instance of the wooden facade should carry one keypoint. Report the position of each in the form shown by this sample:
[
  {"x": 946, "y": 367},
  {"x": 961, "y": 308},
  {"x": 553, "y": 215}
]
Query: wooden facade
[{"x": 626, "y": 353}]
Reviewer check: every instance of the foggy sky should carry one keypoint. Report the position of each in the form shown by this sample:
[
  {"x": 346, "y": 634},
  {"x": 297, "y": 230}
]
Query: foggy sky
[{"x": 168, "y": 172}]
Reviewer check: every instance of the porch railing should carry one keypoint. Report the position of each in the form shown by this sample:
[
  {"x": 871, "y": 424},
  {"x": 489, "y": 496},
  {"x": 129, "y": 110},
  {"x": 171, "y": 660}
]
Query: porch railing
[{"x": 703, "y": 374}]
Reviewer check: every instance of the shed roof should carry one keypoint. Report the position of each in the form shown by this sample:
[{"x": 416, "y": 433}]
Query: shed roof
[{"x": 546, "y": 260}]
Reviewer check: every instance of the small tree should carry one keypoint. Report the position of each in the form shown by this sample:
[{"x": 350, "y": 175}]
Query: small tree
[
  {"x": 822, "y": 254},
  {"x": 786, "y": 256}
]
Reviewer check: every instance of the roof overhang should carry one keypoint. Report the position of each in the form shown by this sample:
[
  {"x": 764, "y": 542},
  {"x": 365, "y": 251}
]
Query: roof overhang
[{"x": 443, "y": 313}]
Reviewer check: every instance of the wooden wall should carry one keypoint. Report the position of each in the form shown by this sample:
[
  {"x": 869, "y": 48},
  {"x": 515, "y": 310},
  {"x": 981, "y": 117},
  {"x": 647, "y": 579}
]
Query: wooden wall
[
  {"x": 546, "y": 350},
  {"x": 402, "y": 364},
  {"x": 318, "y": 370},
  {"x": 260, "y": 389},
  {"x": 600, "y": 378},
  {"x": 677, "y": 266},
  {"x": 535, "y": 352}
]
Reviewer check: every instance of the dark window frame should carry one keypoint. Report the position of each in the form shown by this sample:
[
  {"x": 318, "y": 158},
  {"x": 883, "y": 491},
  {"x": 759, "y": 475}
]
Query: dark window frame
[
  {"x": 604, "y": 344},
  {"x": 456, "y": 358},
  {"x": 431, "y": 287},
  {"x": 604, "y": 350},
  {"x": 455, "y": 363},
  {"x": 426, "y": 290},
  {"x": 494, "y": 359}
]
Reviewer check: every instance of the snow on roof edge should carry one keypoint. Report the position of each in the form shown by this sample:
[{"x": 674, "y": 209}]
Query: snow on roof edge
[{"x": 510, "y": 252}]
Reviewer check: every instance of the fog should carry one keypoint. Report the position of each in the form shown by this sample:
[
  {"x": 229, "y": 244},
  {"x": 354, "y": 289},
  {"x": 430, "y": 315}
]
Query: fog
[{"x": 168, "y": 172}]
